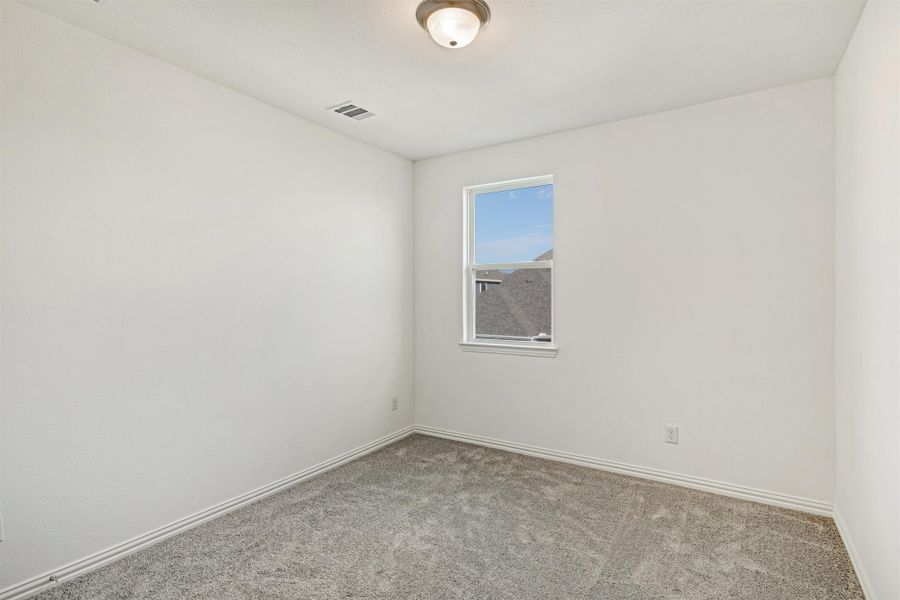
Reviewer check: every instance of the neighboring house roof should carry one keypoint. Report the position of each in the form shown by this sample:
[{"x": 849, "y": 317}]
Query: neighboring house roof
[{"x": 518, "y": 306}]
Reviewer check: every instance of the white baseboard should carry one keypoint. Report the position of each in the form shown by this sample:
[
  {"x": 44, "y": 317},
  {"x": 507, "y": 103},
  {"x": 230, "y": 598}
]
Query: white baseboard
[
  {"x": 818, "y": 507},
  {"x": 49, "y": 579},
  {"x": 855, "y": 560}
]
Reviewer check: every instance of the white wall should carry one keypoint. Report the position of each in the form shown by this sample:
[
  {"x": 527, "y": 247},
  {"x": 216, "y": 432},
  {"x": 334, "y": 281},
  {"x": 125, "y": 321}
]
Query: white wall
[
  {"x": 201, "y": 294},
  {"x": 694, "y": 257},
  {"x": 867, "y": 299}
]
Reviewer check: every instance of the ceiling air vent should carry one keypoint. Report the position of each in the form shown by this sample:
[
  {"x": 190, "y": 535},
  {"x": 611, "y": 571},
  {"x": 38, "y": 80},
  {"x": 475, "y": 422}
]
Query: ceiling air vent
[{"x": 348, "y": 109}]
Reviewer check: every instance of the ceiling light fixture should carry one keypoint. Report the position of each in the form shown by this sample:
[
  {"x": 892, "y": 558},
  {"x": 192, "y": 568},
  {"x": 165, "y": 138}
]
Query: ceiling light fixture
[{"x": 453, "y": 23}]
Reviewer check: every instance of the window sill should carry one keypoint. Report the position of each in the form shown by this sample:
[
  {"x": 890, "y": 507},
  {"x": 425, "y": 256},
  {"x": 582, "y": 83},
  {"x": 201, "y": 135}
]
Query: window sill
[{"x": 520, "y": 349}]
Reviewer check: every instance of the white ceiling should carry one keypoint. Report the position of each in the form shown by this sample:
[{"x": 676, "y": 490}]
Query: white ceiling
[{"x": 540, "y": 67}]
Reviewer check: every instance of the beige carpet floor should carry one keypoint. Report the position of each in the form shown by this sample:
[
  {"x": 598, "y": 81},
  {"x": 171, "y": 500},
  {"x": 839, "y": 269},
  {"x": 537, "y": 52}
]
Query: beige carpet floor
[{"x": 427, "y": 518}]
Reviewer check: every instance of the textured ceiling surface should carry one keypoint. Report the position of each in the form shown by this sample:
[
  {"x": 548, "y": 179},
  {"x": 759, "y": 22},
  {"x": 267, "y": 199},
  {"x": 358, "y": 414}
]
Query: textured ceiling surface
[{"x": 539, "y": 67}]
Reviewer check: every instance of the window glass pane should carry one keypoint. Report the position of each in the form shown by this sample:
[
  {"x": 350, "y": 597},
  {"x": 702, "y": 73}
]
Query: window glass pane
[
  {"x": 513, "y": 304},
  {"x": 514, "y": 225}
]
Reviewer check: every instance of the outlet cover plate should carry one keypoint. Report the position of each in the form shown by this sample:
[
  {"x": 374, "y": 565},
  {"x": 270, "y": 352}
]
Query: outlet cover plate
[{"x": 671, "y": 434}]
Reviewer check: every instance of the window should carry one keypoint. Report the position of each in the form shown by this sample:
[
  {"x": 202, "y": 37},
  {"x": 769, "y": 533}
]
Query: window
[{"x": 508, "y": 274}]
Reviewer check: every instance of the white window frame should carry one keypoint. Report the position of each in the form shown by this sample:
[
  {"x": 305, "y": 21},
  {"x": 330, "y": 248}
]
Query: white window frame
[{"x": 469, "y": 342}]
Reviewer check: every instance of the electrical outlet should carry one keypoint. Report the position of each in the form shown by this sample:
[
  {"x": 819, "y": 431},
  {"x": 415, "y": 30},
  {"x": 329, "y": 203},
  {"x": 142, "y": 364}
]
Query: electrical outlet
[
  {"x": 395, "y": 403},
  {"x": 671, "y": 434}
]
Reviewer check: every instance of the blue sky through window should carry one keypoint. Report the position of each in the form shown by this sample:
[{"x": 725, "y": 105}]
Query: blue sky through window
[{"x": 513, "y": 225}]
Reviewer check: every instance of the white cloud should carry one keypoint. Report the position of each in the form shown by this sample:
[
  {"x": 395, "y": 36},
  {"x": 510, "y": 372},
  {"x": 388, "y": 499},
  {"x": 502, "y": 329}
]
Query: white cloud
[{"x": 515, "y": 249}]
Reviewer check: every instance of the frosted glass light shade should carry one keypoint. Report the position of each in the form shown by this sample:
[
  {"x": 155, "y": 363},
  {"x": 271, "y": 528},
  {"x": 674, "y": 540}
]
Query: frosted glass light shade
[{"x": 453, "y": 27}]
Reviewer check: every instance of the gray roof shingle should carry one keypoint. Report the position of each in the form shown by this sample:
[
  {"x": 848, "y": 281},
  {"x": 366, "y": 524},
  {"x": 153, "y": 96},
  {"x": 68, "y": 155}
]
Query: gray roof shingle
[{"x": 515, "y": 303}]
